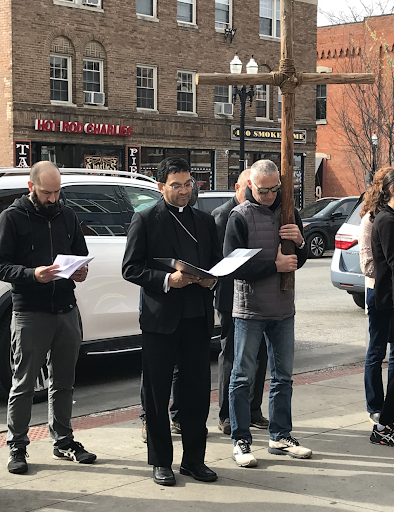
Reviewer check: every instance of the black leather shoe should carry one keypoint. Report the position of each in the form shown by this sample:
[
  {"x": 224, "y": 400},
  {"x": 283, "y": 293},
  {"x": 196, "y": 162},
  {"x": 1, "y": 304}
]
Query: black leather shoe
[
  {"x": 198, "y": 471},
  {"x": 163, "y": 475}
]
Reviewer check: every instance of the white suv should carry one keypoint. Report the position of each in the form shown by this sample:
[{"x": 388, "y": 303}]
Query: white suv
[{"x": 109, "y": 305}]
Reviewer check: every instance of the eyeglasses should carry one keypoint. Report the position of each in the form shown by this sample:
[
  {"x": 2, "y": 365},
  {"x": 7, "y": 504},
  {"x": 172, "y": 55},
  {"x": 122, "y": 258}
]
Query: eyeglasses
[
  {"x": 188, "y": 185},
  {"x": 264, "y": 191}
]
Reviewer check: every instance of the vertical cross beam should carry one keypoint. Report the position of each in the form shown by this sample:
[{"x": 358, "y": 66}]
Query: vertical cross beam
[{"x": 286, "y": 66}]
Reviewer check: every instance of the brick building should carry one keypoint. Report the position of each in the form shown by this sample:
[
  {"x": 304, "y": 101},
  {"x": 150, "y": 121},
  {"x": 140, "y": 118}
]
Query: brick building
[
  {"x": 366, "y": 46},
  {"x": 111, "y": 83}
]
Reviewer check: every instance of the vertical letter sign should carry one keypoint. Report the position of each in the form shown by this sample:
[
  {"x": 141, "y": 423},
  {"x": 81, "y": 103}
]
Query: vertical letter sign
[
  {"x": 133, "y": 158},
  {"x": 22, "y": 153}
]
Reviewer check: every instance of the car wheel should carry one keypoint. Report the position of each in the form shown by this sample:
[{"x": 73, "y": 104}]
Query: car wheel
[
  {"x": 41, "y": 388},
  {"x": 316, "y": 246},
  {"x": 359, "y": 299}
]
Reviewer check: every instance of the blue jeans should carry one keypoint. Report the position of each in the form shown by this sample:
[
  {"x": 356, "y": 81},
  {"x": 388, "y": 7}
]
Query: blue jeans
[
  {"x": 379, "y": 334},
  {"x": 280, "y": 348}
]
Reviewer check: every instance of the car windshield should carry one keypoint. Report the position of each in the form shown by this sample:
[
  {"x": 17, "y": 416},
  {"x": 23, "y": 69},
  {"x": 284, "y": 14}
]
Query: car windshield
[{"x": 318, "y": 209}]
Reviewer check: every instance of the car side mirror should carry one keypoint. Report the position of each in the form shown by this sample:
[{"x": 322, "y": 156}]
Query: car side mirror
[{"x": 336, "y": 215}]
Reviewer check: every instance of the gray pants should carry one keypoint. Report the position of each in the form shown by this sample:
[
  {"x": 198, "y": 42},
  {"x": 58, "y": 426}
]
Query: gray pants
[{"x": 36, "y": 338}]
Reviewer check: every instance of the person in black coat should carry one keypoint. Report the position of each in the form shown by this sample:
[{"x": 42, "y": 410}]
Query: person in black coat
[
  {"x": 224, "y": 304},
  {"x": 382, "y": 242},
  {"x": 176, "y": 318}
]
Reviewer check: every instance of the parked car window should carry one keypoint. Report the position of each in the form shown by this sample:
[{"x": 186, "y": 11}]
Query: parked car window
[
  {"x": 7, "y": 197},
  {"x": 317, "y": 209},
  {"x": 208, "y": 204},
  {"x": 97, "y": 209},
  {"x": 345, "y": 207},
  {"x": 141, "y": 198}
]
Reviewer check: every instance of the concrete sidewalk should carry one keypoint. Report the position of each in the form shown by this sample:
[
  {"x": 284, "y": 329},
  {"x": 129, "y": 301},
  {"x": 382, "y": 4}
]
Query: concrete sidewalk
[{"x": 346, "y": 473}]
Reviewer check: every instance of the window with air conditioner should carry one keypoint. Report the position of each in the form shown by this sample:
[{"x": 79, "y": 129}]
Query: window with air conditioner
[
  {"x": 93, "y": 82},
  {"x": 60, "y": 79},
  {"x": 186, "y": 92},
  {"x": 262, "y": 101},
  {"x": 222, "y": 100},
  {"x": 270, "y": 18},
  {"x": 223, "y": 14},
  {"x": 146, "y": 87}
]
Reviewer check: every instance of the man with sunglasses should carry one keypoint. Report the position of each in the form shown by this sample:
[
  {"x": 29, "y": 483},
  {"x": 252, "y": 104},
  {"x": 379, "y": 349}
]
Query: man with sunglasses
[
  {"x": 176, "y": 318},
  {"x": 260, "y": 306}
]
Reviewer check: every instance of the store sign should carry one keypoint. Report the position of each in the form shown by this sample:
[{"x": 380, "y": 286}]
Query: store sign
[
  {"x": 133, "y": 158},
  {"x": 22, "y": 153},
  {"x": 110, "y": 163},
  {"x": 47, "y": 125},
  {"x": 266, "y": 134}
]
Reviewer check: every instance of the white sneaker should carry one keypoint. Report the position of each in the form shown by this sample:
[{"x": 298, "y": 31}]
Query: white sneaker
[
  {"x": 242, "y": 455},
  {"x": 289, "y": 446}
]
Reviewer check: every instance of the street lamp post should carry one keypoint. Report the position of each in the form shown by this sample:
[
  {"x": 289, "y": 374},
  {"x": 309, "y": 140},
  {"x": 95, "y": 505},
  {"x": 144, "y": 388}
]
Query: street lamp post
[
  {"x": 244, "y": 94},
  {"x": 374, "y": 141}
]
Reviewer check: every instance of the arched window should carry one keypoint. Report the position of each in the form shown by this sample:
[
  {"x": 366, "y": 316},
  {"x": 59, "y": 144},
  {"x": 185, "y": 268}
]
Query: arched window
[{"x": 61, "y": 70}]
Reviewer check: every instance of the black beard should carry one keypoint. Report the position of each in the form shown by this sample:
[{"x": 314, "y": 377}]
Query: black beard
[{"x": 48, "y": 210}]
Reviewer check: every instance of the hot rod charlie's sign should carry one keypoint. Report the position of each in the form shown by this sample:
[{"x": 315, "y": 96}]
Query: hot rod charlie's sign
[{"x": 48, "y": 125}]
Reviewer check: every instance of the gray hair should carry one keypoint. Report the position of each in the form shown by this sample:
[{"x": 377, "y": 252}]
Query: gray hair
[
  {"x": 264, "y": 167},
  {"x": 38, "y": 168}
]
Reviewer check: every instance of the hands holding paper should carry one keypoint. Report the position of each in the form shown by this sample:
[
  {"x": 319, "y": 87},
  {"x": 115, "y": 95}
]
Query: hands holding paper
[{"x": 65, "y": 266}]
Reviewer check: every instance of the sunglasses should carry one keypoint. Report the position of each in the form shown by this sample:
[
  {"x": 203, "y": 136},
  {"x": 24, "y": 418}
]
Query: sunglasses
[{"x": 264, "y": 191}]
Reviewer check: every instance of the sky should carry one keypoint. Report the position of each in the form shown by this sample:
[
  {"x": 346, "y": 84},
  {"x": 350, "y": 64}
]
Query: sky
[{"x": 334, "y": 5}]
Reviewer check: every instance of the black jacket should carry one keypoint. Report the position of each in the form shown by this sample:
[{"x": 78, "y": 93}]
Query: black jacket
[
  {"x": 382, "y": 241},
  {"x": 29, "y": 240},
  {"x": 224, "y": 291},
  {"x": 151, "y": 235},
  {"x": 237, "y": 237}
]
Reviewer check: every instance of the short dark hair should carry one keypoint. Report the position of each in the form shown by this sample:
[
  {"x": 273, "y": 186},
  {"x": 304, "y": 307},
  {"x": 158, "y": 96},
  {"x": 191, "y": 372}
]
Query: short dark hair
[{"x": 171, "y": 165}]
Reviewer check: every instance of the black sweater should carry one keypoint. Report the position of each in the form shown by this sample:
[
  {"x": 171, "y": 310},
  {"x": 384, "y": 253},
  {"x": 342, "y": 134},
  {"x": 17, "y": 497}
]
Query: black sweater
[
  {"x": 236, "y": 237},
  {"x": 29, "y": 240},
  {"x": 382, "y": 241}
]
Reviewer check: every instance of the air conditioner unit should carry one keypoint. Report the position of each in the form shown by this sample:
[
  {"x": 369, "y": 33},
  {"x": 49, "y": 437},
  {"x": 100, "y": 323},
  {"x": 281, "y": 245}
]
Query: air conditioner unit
[
  {"x": 94, "y": 98},
  {"x": 93, "y": 3},
  {"x": 224, "y": 109}
]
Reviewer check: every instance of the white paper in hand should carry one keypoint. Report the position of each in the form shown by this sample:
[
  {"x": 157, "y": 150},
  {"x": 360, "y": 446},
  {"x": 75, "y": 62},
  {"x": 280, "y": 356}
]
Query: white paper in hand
[{"x": 68, "y": 264}]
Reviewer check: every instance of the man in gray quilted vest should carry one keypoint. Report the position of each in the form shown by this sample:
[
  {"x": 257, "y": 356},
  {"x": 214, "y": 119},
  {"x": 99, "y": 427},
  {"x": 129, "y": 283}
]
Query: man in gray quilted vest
[{"x": 261, "y": 306}]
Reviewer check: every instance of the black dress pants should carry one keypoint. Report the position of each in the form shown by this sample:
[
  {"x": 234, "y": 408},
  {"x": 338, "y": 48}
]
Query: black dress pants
[
  {"x": 225, "y": 365},
  {"x": 189, "y": 347}
]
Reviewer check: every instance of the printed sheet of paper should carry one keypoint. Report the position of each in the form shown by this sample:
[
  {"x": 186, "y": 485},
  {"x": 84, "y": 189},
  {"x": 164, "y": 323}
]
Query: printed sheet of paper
[
  {"x": 68, "y": 264},
  {"x": 233, "y": 261}
]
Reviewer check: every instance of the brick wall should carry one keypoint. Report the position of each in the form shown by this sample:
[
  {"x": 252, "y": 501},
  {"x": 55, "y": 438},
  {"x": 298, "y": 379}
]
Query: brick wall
[
  {"x": 128, "y": 41},
  {"x": 338, "y": 48}
]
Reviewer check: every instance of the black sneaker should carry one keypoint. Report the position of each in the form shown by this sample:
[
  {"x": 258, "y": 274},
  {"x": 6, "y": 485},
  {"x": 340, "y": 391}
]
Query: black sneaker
[
  {"x": 17, "y": 461},
  {"x": 385, "y": 437},
  {"x": 75, "y": 452}
]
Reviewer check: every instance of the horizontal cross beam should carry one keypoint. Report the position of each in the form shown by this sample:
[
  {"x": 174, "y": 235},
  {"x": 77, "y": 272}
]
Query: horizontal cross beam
[{"x": 278, "y": 79}]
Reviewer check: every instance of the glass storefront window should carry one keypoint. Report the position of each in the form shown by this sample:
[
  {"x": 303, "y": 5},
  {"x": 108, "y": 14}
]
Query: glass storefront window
[{"x": 200, "y": 161}]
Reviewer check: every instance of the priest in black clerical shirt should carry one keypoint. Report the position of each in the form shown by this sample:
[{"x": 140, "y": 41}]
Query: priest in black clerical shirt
[{"x": 176, "y": 318}]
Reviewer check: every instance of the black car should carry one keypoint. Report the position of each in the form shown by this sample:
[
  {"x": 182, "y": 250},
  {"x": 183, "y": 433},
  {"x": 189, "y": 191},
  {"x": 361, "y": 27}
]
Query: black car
[{"x": 321, "y": 221}]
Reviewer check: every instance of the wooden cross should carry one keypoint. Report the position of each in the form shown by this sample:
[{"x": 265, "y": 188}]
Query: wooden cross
[{"x": 288, "y": 81}]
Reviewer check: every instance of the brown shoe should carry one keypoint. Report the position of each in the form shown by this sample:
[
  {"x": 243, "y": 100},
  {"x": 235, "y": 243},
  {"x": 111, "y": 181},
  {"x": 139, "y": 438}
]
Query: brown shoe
[
  {"x": 225, "y": 427},
  {"x": 260, "y": 423}
]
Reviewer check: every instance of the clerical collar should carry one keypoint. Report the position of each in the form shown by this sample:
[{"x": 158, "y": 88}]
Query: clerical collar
[{"x": 178, "y": 209}]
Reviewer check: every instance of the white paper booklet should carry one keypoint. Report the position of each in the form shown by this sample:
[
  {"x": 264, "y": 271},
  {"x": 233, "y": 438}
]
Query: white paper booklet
[{"x": 68, "y": 264}]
